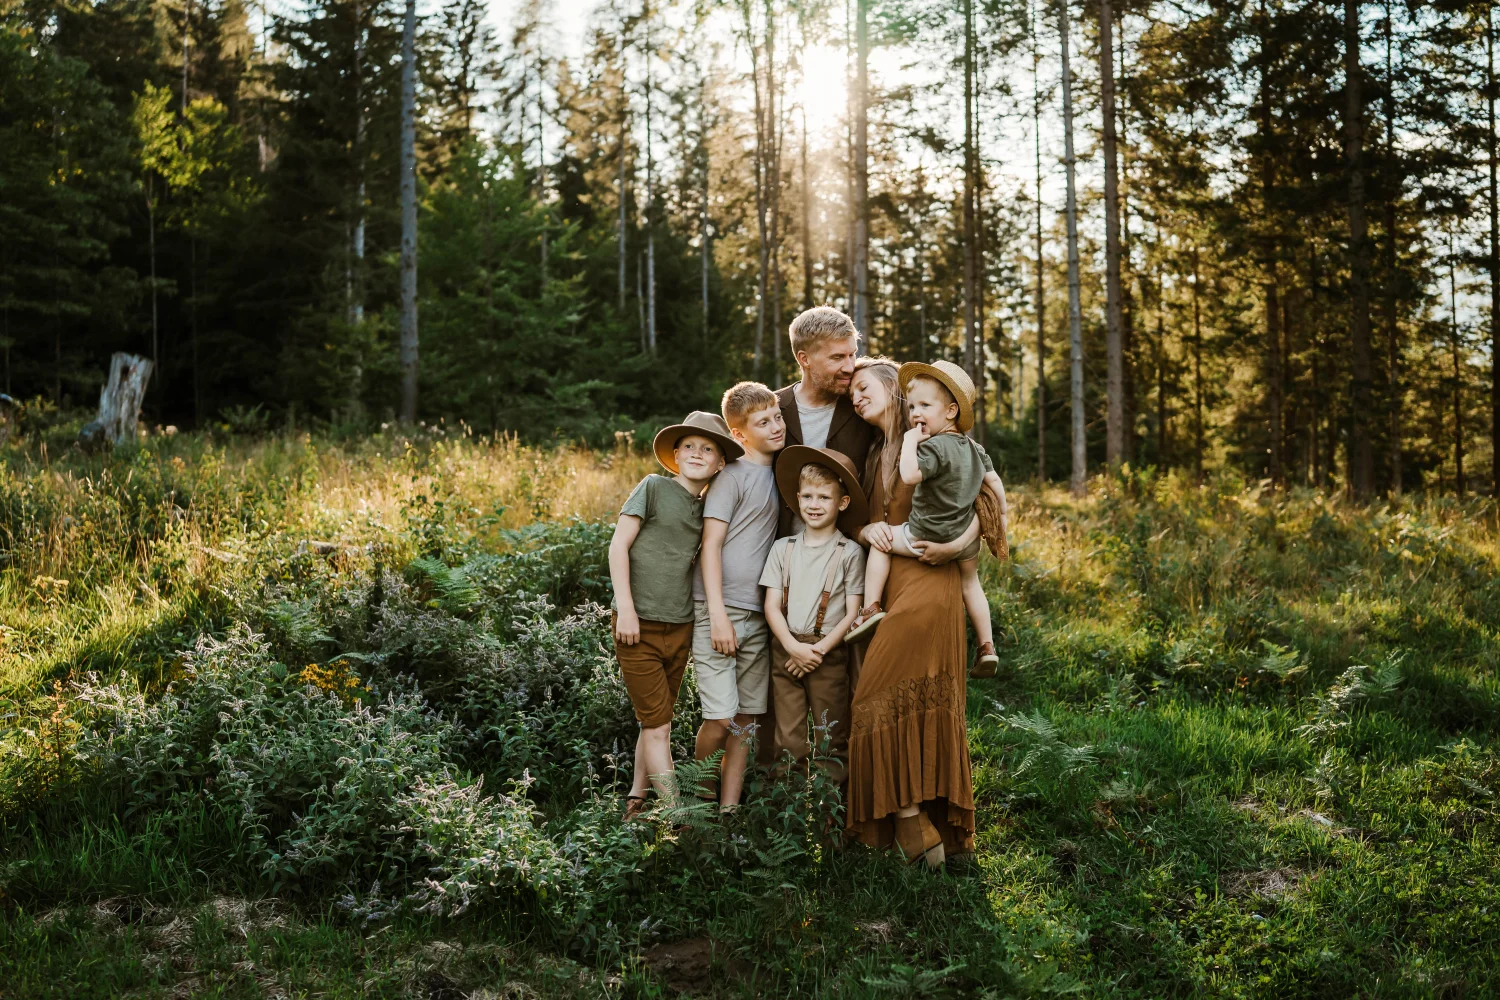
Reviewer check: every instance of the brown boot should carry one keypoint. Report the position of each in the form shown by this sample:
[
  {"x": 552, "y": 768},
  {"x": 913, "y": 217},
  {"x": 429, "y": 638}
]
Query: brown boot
[
  {"x": 985, "y": 661},
  {"x": 918, "y": 838}
]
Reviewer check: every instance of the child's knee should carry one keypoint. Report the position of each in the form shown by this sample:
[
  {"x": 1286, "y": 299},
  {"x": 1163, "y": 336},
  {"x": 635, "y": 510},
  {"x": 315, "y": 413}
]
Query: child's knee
[{"x": 969, "y": 568}]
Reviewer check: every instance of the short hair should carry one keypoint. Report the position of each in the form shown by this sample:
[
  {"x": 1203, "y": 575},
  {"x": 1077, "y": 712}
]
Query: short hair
[
  {"x": 948, "y": 393},
  {"x": 744, "y": 398},
  {"x": 820, "y": 323},
  {"x": 820, "y": 475}
]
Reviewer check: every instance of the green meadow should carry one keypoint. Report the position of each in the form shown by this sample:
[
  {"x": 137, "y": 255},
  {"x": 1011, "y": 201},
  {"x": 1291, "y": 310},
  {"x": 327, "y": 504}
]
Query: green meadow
[{"x": 294, "y": 716}]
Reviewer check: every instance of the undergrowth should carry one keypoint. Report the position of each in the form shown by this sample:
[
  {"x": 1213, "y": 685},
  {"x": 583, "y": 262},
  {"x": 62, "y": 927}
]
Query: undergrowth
[{"x": 1243, "y": 743}]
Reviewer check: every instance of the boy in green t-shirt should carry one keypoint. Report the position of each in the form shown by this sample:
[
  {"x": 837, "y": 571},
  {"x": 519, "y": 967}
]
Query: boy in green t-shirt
[
  {"x": 653, "y": 584},
  {"x": 948, "y": 471}
]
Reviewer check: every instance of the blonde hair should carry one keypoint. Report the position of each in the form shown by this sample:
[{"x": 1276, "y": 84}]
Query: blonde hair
[
  {"x": 813, "y": 326},
  {"x": 894, "y": 423},
  {"x": 744, "y": 398},
  {"x": 820, "y": 475}
]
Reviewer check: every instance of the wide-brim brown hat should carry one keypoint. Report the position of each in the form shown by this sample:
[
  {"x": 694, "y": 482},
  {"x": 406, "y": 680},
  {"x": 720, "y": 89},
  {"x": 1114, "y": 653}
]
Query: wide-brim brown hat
[
  {"x": 950, "y": 375},
  {"x": 788, "y": 476},
  {"x": 702, "y": 423}
]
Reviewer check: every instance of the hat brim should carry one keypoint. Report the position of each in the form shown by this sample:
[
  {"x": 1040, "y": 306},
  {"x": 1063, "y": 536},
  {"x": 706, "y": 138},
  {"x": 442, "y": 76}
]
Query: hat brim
[
  {"x": 912, "y": 369},
  {"x": 788, "y": 474},
  {"x": 665, "y": 444}
]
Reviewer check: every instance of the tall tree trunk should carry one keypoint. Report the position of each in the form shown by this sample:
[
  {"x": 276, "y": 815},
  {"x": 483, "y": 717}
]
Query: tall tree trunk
[
  {"x": 1361, "y": 456},
  {"x": 1197, "y": 373},
  {"x": 1458, "y": 384},
  {"x": 1114, "y": 435},
  {"x": 1161, "y": 369},
  {"x": 704, "y": 234},
  {"x": 1392, "y": 190},
  {"x": 354, "y": 279},
  {"x": 807, "y": 236},
  {"x": 1494, "y": 255},
  {"x": 1041, "y": 264},
  {"x": 862, "y": 171},
  {"x": 624, "y": 146},
  {"x": 849, "y": 116},
  {"x": 650, "y": 214},
  {"x": 541, "y": 145},
  {"x": 1272, "y": 305},
  {"x": 409, "y": 214},
  {"x": 1079, "y": 480},
  {"x": 151, "y": 246},
  {"x": 1128, "y": 361},
  {"x": 971, "y": 236},
  {"x": 762, "y": 292},
  {"x": 778, "y": 230}
]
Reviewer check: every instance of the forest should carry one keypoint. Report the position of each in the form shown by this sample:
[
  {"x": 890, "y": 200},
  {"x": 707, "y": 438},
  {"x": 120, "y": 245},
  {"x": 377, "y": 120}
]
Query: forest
[
  {"x": 308, "y": 687},
  {"x": 1279, "y": 218}
]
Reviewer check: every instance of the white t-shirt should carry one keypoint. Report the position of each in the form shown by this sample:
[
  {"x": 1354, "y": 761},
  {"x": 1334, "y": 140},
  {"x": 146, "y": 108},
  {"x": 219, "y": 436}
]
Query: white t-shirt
[
  {"x": 809, "y": 571},
  {"x": 744, "y": 496},
  {"x": 815, "y": 422}
]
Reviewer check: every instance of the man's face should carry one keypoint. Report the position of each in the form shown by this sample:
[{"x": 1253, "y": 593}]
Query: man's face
[
  {"x": 829, "y": 366},
  {"x": 764, "y": 430},
  {"x": 820, "y": 503}
]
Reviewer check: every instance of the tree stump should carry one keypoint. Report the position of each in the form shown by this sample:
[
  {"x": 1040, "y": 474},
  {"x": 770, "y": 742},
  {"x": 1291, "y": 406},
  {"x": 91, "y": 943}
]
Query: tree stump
[{"x": 119, "y": 402}]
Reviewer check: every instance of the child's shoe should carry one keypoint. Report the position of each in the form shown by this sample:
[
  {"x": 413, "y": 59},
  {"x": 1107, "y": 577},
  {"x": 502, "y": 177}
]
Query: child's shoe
[
  {"x": 864, "y": 623},
  {"x": 985, "y": 661}
]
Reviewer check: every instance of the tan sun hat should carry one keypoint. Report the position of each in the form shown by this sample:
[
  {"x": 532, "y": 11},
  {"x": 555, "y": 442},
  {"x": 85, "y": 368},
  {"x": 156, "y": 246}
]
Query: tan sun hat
[
  {"x": 789, "y": 472},
  {"x": 951, "y": 376},
  {"x": 702, "y": 423}
]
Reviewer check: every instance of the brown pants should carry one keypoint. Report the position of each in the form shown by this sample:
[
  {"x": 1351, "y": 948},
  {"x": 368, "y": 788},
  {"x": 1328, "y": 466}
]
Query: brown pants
[
  {"x": 824, "y": 692},
  {"x": 653, "y": 669}
]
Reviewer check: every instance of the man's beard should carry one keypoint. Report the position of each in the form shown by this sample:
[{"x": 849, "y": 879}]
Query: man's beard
[{"x": 832, "y": 385}]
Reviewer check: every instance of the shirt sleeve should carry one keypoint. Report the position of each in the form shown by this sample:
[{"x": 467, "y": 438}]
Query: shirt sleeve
[
  {"x": 930, "y": 458},
  {"x": 770, "y": 576},
  {"x": 723, "y": 497},
  {"x": 984, "y": 458},
  {"x": 854, "y": 571},
  {"x": 638, "y": 504}
]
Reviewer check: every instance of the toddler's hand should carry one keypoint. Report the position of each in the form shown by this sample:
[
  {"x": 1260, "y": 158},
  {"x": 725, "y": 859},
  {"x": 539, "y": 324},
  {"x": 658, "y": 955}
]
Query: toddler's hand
[
  {"x": 627, "y": 628},
  {"x": 918, "y": 433}
]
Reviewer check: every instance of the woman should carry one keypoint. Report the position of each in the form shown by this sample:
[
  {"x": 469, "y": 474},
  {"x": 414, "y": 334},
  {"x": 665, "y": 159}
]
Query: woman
[{"x": 909, "y": 778}]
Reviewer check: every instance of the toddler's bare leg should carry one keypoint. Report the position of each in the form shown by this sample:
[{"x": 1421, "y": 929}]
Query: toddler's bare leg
[
  {"x": 877, "y": 568},
  {"x": 975, "y": 602}
]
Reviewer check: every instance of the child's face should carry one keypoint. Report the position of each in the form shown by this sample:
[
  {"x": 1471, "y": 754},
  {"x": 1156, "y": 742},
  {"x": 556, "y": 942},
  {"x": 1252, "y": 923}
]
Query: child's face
[
  {"x": 763, "y": 431},
  {"x": 931, "y": 406},
  {"x": 820, "y": 503},
  {"x": 698, "y": 458}
]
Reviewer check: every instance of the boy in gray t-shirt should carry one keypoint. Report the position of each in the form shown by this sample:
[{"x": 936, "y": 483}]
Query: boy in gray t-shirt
[{"x": 731, "y": 644}]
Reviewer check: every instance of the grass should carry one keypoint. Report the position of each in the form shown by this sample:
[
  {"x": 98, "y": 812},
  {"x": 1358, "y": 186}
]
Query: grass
[{"x": 1243, "y": 743}]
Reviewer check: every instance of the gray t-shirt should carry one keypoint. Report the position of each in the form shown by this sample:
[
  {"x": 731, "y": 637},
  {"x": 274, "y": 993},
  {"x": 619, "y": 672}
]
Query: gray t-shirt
[
  {"x": 806, "y": 575},
  {"x": 744, "y": 497},
  {"x": 953, "y": 469},
  {"x": 815, "y": 422}
]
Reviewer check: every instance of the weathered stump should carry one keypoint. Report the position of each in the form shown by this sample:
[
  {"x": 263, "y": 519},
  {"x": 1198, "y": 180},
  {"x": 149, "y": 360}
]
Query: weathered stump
[{"x": 119, "y": 402}]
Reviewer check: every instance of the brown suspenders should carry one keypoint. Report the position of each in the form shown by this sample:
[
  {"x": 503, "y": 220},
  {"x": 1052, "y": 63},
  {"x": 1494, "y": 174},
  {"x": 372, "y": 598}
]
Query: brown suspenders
[{"x": 835, "y": 566}]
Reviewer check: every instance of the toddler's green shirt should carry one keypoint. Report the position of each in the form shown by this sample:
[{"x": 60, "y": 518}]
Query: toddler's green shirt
[{"x": 953, "y": 469}]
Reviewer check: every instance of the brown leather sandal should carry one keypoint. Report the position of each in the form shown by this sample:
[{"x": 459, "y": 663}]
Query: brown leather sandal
[
  {"x": 985, "y": 661},
  {"x": 864, "y": 623},
  {"x": 634, "y": 806}
]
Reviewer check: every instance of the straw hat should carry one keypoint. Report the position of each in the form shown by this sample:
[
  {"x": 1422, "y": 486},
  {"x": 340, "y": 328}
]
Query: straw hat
[
  {"x": 702, "y": 423},
  {"x": 950, "y": 375},
  {"x": 788, "y": 474}
]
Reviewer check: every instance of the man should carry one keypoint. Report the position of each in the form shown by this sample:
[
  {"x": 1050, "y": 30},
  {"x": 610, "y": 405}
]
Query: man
[{"x": 817, "y": 409}]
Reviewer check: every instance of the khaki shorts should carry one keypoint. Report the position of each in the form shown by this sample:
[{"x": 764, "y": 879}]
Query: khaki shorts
[
  {"x": 901, "y": 539},
  {"x": 738, "y": 684},
  {"x": 653, "y": 669}
]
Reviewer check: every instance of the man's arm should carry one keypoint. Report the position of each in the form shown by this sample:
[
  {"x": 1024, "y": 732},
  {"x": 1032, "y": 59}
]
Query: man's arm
[
  {"x": 627, "y": 625},
  {"x": 721, "y": 632}
]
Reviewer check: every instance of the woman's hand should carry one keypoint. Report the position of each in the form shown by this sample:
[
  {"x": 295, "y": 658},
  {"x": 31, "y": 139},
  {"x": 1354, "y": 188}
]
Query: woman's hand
[
  {"x": 627, "y": 627},
  {"x": 877, "y": 535}
]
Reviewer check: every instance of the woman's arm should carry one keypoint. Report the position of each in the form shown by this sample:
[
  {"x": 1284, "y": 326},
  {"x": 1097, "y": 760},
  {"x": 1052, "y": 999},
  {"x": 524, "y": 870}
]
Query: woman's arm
[
  {"x": 877, "y": 535},
  {"x": 938, "y": 553},
  {"x": 627, "y": 625}
]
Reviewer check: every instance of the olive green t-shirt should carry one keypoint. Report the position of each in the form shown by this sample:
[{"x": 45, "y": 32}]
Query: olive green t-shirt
[
  {"x": 953, "y": 469},
  {"x": 661, "y": 560}
]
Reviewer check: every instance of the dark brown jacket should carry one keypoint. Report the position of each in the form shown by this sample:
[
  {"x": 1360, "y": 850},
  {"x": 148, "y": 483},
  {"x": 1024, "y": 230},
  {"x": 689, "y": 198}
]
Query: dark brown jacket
[{"x": 847, "y": 433}]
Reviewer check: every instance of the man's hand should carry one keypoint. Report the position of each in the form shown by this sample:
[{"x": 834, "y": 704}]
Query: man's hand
[
  {"x": 721, "y": 634},
  {"x": 803, "y": 658},
  {"x": 877, "y": 535},
  {"x": 937, "y": 553},
  {"x": 627, "y": 627}
]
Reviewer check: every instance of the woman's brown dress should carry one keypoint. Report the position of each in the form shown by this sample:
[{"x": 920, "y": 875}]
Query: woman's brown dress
[{"x": 908, "y": 742}]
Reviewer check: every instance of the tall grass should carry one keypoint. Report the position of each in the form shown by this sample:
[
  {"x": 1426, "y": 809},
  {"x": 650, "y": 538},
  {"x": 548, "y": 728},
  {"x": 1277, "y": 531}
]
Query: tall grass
[{"x": 1243, "y": 741}]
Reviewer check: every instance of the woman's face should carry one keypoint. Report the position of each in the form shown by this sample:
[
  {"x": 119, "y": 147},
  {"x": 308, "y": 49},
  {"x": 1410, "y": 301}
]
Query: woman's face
[{"x": 869, "y": 396}]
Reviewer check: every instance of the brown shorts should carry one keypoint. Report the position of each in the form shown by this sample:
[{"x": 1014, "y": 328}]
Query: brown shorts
[
  {"x": 824, "y": 693},
  {"x": 653, "y": 668}
]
